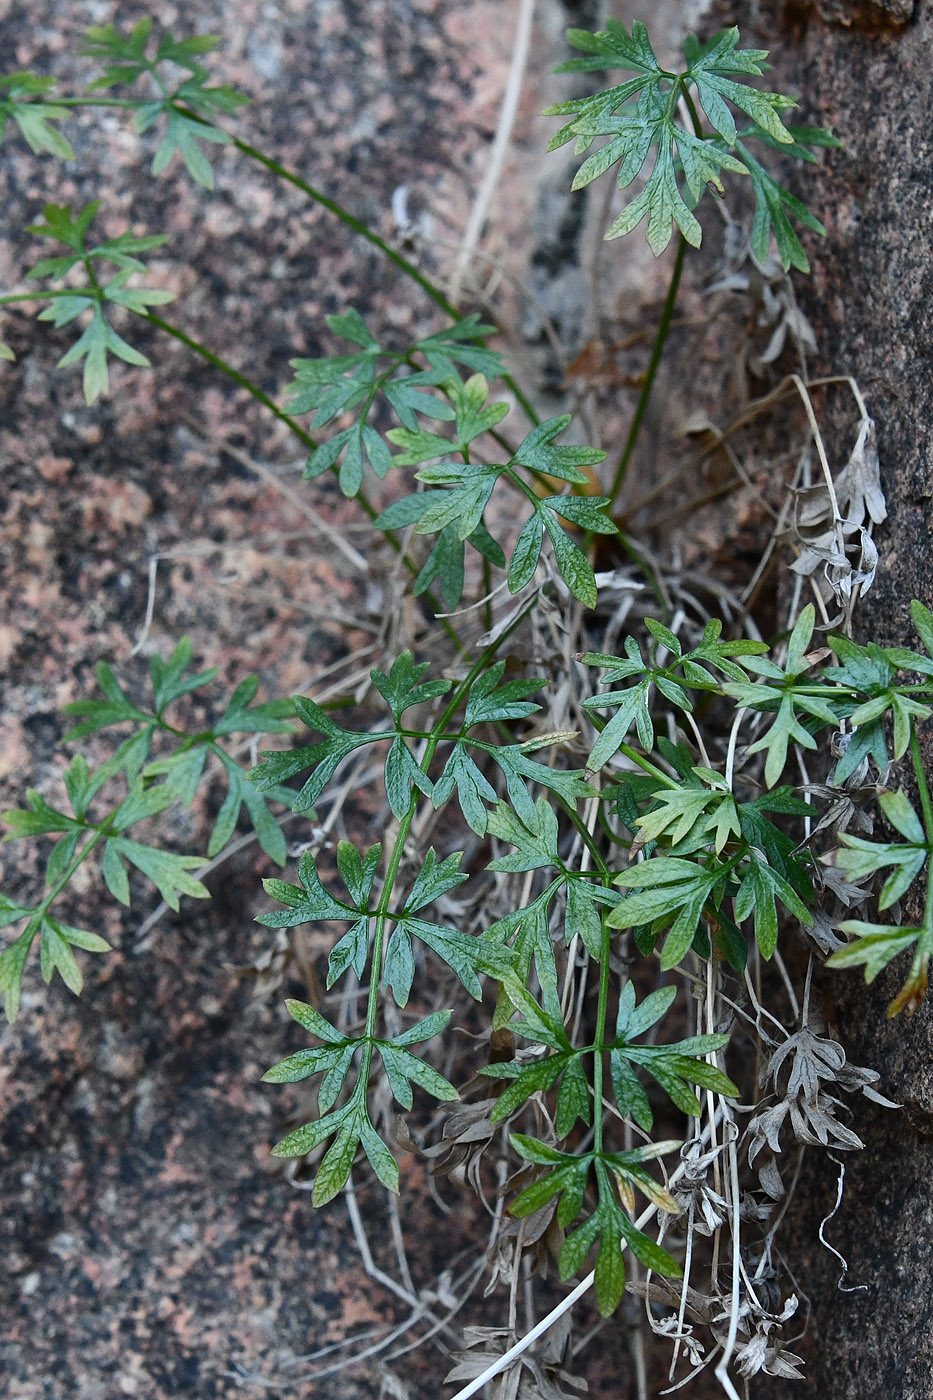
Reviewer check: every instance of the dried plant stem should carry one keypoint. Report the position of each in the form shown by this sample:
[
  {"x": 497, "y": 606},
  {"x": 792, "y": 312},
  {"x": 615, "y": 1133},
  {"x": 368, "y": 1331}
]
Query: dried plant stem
[{"x": 496, "y": 159}]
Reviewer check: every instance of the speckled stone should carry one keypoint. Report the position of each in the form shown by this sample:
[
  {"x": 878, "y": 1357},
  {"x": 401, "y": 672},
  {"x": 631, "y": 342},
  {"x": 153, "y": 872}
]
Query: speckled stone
[{"x": 151, "y": 1247}]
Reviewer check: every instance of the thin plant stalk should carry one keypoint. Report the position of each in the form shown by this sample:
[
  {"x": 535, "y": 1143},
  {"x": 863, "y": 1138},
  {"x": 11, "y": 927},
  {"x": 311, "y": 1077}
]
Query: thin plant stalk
[{"x": 657, "y": 350}]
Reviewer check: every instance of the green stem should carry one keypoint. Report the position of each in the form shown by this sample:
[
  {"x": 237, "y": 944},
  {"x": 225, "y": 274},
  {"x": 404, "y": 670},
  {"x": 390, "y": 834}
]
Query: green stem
[
  {"x": 598, "y": 1047},
  {"x": 643, "y": 763},
  {"x": 691, "y": 108},
  {"x": 926, "y": 805},
  {"x": 589, "y": 842},
  {"x": 925, "y": 941},
  {"x": 487, "y": 589},
  {"x": 253, "y": 389},
  {"x": 305, "y": 438},
  {"x": 12, "y": 297},
  {"x": 398, "y": 849},
  {"x": 679, "y": 89},
  {"x": 331, "y": 205},
  {"x": 657, "y": 351},
  {"x": 600, "y": 1035},
  {"x": 77, "y": 859},
  {"x": 401, "y": 262},
  {"x": 128, "y": 103},
  {"x": 344, "y": 215},
  {"x": 654, "y": 583}
]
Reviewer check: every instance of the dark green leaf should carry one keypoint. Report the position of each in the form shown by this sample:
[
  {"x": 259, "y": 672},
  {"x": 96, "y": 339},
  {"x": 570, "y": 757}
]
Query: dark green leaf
[
  {"x": 303, "y": 905},
  {"x": 573, "y": 565},
  {"x": 526, "y": 553},
  {"x": 434, "y": 879},
  {"x": 350, "y": 951},
  {"x": 466, "y": 956},
  {"x": 538, "y": 453},
  {"x": 403, "y": 686}
]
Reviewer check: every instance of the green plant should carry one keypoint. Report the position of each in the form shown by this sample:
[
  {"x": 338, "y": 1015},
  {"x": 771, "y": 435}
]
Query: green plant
[{"x": 647, "y": 844}]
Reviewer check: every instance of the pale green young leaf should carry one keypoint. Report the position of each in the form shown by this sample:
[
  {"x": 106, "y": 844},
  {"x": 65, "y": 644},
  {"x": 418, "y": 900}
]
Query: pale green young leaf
[
  {"x": 379, "y": 1156},
  {"x": 923, "y": 621},
  {"x": 519, "y": 769},
  {"x": 902, "y": 816},
  {"x": 137, "y": 299},
  {"x": 169, "y": 681},
  {"x": 317, "y": 1060},
  {"x": 55, "y": 955},
  {"x": 170, "y": 873},
  {"x": 859, "y": 859},
  {"x": 568, "y": 1175},
  {"x": 583, "y": 918},
  {"x": 312, "y": 1021},
  {"x": 711, "y": 69},
  {"x": 640, "y": 115},
  {"x": 21, "y": 97},
  {"x": 537, "y": 1077},
  {"x": 117, "y": 708},
  {"x": 472, "y": 415},
  {"x": 12, "y": 963},
  {"x": 11, "y": 911},
  {"x": 612, "y": 47},
  {"x": 310, "y": 1135},
  {"x": 398, "y": 972},
  {"x": 679, "y": 812},
  {"x": 425, "y": 1029},
  {"x": 632, "y": 710},
  {"x": 182, "y": 770},
  {"x": 489, "y": 701},
  {"x": 471, "y": 485},
  {"x": 242, "y": 717},
  {"x": 402, "y": 772},
  {"x": 671, "y": 891},
  {"x": 241, "y": 792},
  {"x": 358, "y": 872},
  {"x": 114, "y": 873},
  {"x": 874, "y": 946},
  {"x": 337, "y": 1163},
  {"x": 323, "y": 759},
  {"x": 587, "y": 512},
  {"x": 457, "y": 344},
  {"x": 660, "y": 202},
  {"x": 37, "y": 819},
  {"x": 126, "y": 59},
  {"x": 60, "y": 225},
  {"x": 97, "y": 341},
  {"x": 445, "y": 562},
  {"x": 352, "y": 950}
]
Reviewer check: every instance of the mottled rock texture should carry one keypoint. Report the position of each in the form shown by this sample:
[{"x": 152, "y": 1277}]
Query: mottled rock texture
[
  {"x": 149, "y": 1248},
  {"x": 870, "y": 302}
]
